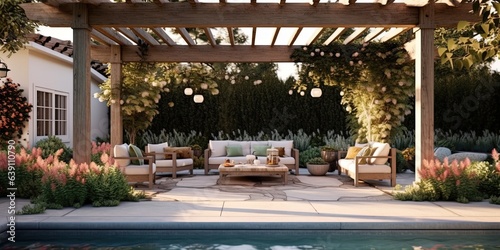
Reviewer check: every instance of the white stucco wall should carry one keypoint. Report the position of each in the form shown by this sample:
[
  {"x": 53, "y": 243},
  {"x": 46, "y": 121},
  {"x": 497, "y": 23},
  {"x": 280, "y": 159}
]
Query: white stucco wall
[{"x": 40, "y": 68}]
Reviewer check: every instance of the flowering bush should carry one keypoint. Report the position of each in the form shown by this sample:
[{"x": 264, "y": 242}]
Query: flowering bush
[
  {"x": 14, "y": 112},
  {"x": 460, "y": 181},
  {"x": 54, "y": 184}
]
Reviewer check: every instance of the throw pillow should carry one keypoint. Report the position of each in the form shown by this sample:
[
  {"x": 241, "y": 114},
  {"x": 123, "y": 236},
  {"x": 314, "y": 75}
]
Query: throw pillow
[
  {"x": 234, "y": 150},
  {"x": 261, "y": 150},
  {"x": 281, "y": 151},
  {"x": 366, "y": 151},
  {"x": 157, "y": 148},
  {"x": 134, "y": 151},
  {"x": 352, "y": 152}
]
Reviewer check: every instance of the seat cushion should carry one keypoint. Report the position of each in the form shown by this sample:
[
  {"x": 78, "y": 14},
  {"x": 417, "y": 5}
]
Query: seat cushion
[
  {"x": 138, "y": 169},
  {"x": 157, "y": 148},
  {"x": 287, "y": 160},
  {"x": 121, "y": 151},
  {"x": 134, "y": 151},
  {"x": 169, "y": 163},
  {"x": 363, "y": 168}
]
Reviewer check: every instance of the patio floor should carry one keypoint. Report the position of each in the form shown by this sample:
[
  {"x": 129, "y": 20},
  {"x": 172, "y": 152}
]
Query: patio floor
[{"x": 306, "y": 202}]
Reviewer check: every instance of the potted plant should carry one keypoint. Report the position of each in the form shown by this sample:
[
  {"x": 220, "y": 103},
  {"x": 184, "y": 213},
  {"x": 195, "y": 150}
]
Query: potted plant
[
  {"x": 317, "y": 166},
  {"x": 329, "y": 154},
  {"x": 409, "y": 155}
]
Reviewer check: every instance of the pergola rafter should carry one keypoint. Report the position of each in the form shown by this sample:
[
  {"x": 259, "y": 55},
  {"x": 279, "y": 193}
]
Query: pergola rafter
[{"x": 119, "y": 26}]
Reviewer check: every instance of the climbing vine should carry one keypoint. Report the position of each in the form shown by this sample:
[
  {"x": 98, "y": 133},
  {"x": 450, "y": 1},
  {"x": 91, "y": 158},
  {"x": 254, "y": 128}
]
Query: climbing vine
[{"x": 376, "y": 79}]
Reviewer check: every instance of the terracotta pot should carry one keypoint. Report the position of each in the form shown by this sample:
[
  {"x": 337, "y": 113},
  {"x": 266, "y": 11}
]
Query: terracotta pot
[{"x": 331, "y": 158}]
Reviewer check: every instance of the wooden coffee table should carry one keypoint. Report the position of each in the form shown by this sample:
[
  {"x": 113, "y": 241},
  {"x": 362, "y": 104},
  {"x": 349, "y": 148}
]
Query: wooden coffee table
[{"x": 254, "y": 170}]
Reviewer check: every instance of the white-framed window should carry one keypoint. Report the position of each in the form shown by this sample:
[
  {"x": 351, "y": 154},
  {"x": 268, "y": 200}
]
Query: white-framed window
[{"x": 51, "y": 114}]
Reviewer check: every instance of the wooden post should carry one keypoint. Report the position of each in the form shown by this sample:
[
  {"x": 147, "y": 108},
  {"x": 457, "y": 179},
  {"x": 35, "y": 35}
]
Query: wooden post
[
  {"x": 424, "y": 88},
  {"x": 81, "y": 84},
  {"x": 116, "y": 114}
]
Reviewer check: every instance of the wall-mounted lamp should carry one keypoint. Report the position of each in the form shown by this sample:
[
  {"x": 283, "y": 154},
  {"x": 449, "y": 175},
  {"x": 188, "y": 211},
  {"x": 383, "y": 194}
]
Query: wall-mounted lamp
[
  {"x": 316, "y": 92},
  {"x": 198, "y": 98},
  {"x": 188, "y": 91},
  {"x": 3, "y": 69}
]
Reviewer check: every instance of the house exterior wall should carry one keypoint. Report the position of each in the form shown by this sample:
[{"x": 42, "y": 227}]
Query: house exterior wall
[{"x": 38, "y": 68}]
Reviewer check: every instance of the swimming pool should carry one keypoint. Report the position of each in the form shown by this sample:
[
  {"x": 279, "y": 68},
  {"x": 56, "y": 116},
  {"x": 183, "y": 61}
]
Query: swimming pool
[{"x": 255, "y": 239}]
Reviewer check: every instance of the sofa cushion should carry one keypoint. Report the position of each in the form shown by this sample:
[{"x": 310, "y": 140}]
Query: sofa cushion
[
  {"x": 261, "y": 150},
  {"x": 182, "y": 152},
  {"x": 221, "y": 159},
  {"x": 366, "y": 151},
  {"x": 234, "y": 150},
  {"x": 218, "y": 148},
  {"x": 383, "y": 149},
  {"x": 287, "y": 160},
  {"x": 121, "y": 151},
  {"x": 253, "y": 144},
  {"x": 157, "y": 148},
  {"x": 134, "y": 151},
  {"x": 352, "y": 152},
  {"x": 245, "y": 146},
  {"x": 364, "y": 168},
  {"x": 138, "y": 169},
  {"x": 288, "y": 145}
]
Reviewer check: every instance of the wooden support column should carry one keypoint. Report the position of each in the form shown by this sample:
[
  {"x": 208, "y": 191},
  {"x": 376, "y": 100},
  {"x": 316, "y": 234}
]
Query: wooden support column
[
  {"x": 116, "y": 111},
  {"x": 81, "y": 84},
  {"x": 424, "y": 88}
]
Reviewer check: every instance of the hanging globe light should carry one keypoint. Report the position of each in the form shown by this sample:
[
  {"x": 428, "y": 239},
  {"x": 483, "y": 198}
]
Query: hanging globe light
[
  {"x": 316, "y": 92},
  {"x": 188, "y": 91},
  {"x": 198, "y": 98}
]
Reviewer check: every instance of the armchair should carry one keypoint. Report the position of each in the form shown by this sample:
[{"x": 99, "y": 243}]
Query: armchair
[
  {"x": 134, "y": 165},
  {"x": 168, "y": 159}
]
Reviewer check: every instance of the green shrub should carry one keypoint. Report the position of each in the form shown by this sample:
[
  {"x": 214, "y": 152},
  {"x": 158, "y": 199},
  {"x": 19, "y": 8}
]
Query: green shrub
[
  {"x": 106, "y": 185},
  {"x": 308, "y": 154},
  {"x": 63, "y": 184},
  {"x": 401, "y": 164},
  {"x": 51, "y": 145}
]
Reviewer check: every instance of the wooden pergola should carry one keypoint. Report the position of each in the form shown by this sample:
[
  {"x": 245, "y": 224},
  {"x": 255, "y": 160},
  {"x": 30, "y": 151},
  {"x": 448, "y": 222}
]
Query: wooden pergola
[{"x": 120, "y": 28}]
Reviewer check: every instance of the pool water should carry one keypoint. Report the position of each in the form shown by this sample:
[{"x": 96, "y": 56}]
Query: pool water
[{"x": 255, "y": 239}]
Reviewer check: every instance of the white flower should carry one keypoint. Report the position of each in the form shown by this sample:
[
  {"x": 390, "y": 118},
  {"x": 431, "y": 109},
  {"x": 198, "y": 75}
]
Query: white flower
[
  {"x": 215, "y": 92},
  {"x": 377, "y": 101},
  {"x": 101, "y": 99},
  {"x": 154, "y": 84},
  {"x": 122, "y": 102},
  {"x": 394, "y": 101},
  {"x": 312, "y": 53},
  {"x": 337, "y": 54},
  {"x": 360, "y": 62},
  {"x": 233, "y": 77},
  {"x": 388, "y": 116},
  {"x": 302, "y": 93},
  {"x": 170, "y": 104},
  {"x": 331, "y": 54},
  {"x": 316, "y": 50},
  {"x": 304, "y": 48},
  {"x": 342, "y": 93},
  {"x": 370, "y": 89},
  {"x": 233, "y": 81},
  {"x": 290, "y": 92},
  {"x": 388, "y": 99},
  {"x": 246, "y": 77},
  {"x": 401, "y": 83},
  {"x": 96, "y": 95},
  {"x": 348, "y": 108},
  {"x": 226, "y": 77},
  {"x": 113, "y": 101},
  {"x": 163, "y": 83},
  {"x": 351, "y": 63},
  {"x": 106, "y": 92},
  {"x": 204, "y": 86},
  {"x": 355, "y": 54},
  {"x": 322, "y": 53}
]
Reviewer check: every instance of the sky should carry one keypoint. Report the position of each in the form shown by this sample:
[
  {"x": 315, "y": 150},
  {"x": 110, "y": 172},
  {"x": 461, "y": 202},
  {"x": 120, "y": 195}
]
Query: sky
[{"x": 285, "y": 70}]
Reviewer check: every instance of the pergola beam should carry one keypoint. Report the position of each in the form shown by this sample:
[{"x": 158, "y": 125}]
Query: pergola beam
[
  {"x": 245, "y": 15},
  {"x": 201, "y": 53}
]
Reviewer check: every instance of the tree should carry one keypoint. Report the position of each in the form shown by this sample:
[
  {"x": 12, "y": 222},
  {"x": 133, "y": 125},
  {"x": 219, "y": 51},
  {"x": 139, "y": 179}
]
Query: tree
[{"x": 15, "y": 26}]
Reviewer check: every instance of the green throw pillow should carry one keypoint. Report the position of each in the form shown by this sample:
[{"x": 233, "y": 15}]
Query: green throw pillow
[
  {"x": 134, "y": 151},
  {"x": 261, "y": 150},
  {"x": 234, "y": 150}
]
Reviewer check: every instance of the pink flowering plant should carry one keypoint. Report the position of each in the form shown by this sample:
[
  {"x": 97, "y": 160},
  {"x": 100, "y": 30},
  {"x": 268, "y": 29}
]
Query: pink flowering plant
[
  {"x": 52, "y": 183},
  {"x": 460, "y": 181},
  {"x": 14, "y": 112}
]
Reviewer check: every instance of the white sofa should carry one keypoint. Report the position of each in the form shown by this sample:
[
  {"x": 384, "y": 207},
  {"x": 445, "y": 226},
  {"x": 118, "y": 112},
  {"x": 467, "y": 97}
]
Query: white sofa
[
  {"x": 220, "y": 150},
  {"x": 175, "y": 163},
  {"x": 381, "y": 164}
]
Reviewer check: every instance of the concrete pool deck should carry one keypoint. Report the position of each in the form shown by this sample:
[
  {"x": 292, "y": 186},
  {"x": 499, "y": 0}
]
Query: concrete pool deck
[{"x": 307, "y": 202}]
